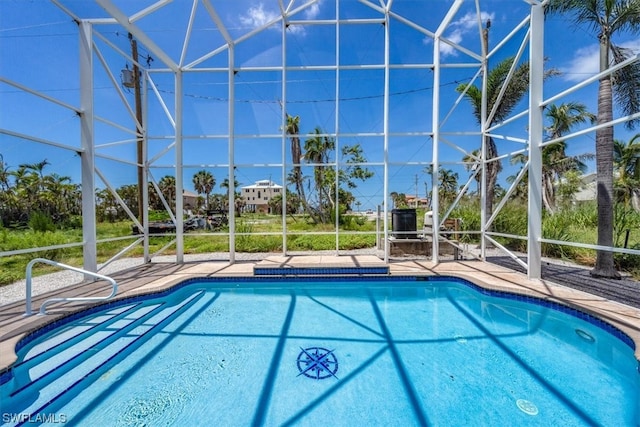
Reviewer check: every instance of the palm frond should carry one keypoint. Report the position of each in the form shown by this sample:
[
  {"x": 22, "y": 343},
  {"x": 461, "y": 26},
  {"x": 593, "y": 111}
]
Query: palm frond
[{"x": 626, "y": 84}]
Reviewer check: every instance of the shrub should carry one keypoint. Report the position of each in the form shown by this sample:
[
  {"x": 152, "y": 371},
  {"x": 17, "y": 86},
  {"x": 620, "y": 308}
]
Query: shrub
[
  {"x": 470, "y": 215},
  {"x": 7, "y": 277},
  {"x": 554, "y": 227},
  {"x": 41, "y": 222},
  {"x": 625, "y": 220},
  {"x": 352, "y": 222},
  {"x": 73, "y": 221},
  {"x": 584, "y": 215},
  {"x": 243, "y": 227},
  {"x": 629, "y": 263}
]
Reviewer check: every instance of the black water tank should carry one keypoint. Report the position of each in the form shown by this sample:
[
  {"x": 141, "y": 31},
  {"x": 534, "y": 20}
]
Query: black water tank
[{"x": 403, "y": 223}]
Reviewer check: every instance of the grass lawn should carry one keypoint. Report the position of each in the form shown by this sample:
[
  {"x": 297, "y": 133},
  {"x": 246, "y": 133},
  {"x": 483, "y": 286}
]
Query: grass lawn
[
  {"x": 253, "y": 234},
  {"x": 263, "y": 234}
]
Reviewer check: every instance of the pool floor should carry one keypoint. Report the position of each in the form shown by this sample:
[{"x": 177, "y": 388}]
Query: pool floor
[{"x": 319, "y": 355}]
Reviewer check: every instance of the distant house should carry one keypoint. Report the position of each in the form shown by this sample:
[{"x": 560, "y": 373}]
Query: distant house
[
  {"x": 258, "y": 195},
  {"x": 417, "y": 202},
  {"x": 189, "y": 199}
]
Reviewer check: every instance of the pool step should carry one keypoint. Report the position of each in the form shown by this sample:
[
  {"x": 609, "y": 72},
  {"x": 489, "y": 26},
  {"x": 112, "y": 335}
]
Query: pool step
[
  {"x": 320, "y": 265},
  {"x": 52, "y": 370},
  {"x": 80, "y": 335}
]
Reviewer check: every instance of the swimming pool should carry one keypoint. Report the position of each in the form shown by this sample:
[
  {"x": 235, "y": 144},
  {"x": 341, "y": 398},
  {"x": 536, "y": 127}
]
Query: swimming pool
[{"x": 380, "y": 351}]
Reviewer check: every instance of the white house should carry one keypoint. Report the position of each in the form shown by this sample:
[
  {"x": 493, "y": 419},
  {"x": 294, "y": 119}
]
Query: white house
[{"x": 258, "y": 195}]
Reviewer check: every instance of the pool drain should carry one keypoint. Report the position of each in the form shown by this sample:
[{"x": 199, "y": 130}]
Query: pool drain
[
  {"x": 527, "y": 407},
  {"x": 585, "y": 335},
  {"x": 460, "y": 339}
]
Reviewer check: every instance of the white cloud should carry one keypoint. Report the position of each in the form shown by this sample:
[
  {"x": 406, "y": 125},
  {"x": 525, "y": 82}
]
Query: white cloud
[
  {"x": 309, "y": 13},
  {"x": 313, "y": 11},
  {"x": 447, "y": 49},
  {"x": 458, "y": 29},
  {"x": 469, "y": 22},
  {"x": 257, "y": 16},
  {"x": 586, "y": 61}
]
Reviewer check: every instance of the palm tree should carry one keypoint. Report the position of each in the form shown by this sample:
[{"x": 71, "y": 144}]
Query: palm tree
[
  {"x": 275, "y": 204},
  {"x": 516, "y": 90},
  {"x": 608, "y": 18},
  {"x": 565, "y": 116},
  {"x": 238, "y": 201},
  {"x": 471, "y": 164},
  {"x": 27, "y": 187},
  {"x": 167, "y": 186},
  {"x": 36, "y": 167},
  {"x": 555, "y": 165},
  {"x": 394, "y": 197},
  {"x": 154, "y": 199},
  {"x": 555, "y": 162},
  {"x": 399, "y": 200},
  {"x": 316, "y": 151},
  {"x": 203, "y": 183},
  {"x": 448, "y": 184},
  {"x": 4, "y": 174},
  {"x": 57, "y": 191},
  {"x": 130, "y": 196},
  {"x": 106, "y": 204},
  {"x": 626, "y": 158},
  {"x": 293, "y": 130}
]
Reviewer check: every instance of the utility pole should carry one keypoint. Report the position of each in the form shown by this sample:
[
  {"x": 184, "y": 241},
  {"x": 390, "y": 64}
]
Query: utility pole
[{"x": 140, "y": 140}]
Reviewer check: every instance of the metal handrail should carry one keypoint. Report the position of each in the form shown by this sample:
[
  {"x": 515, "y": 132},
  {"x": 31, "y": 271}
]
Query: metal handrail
[{"x": 28, "y": 312}]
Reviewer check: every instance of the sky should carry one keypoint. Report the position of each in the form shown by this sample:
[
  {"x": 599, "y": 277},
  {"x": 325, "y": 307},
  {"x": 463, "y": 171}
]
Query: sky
[{"x": 39, "y": 50}]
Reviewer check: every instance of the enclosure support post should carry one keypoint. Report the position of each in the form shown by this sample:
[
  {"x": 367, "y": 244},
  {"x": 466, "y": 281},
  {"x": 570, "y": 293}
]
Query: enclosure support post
[
  {"x": 435, "y": 115},
  {"x": 145, "y": 170},
  {"x": 385, "y": 186},
  {"x": 283, "y": 113},
  {"x": 232, "y": 173},
  {"x": 435, "y": 186},
  {"x": 536, "y": 77},
  {"x": 484, "y": 215},
  {"x": 337, "y": 138},
  {"x": 87, "y": 156},
  {"x": 179, "y": 179}
]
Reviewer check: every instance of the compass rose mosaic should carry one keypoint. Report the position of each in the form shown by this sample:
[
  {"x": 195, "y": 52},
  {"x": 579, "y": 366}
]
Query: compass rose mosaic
[{"x": 317, "y": 363}]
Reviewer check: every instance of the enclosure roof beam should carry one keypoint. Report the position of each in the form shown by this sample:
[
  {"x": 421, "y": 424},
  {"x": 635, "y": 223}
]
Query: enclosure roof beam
[
  {"x": 66, "y": 10},
  {"x": 137, "y": 33},
  {"x": 149, "y": 10},
  {"x": 447, "y": 19},
  {"x": 216, "y": 19}
]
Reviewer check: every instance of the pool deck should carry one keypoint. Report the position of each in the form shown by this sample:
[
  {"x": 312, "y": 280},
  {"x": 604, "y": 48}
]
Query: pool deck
[{"x": 154, "y": 277}]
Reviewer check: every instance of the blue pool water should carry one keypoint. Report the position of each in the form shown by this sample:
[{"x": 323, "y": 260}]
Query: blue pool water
[{"x": 326, "y": 352}]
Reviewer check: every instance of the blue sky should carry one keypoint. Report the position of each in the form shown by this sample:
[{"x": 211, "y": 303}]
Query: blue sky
[{"x": 39, "y": 49}]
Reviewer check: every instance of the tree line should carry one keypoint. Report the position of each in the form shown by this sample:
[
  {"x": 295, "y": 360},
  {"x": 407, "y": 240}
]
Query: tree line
[{"x": 28, "y": 190}]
